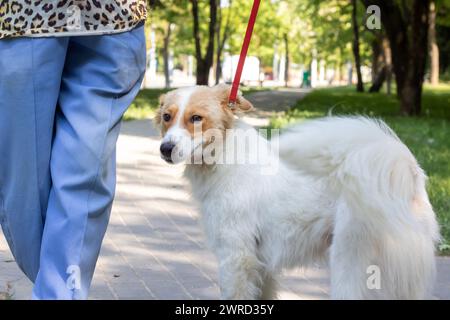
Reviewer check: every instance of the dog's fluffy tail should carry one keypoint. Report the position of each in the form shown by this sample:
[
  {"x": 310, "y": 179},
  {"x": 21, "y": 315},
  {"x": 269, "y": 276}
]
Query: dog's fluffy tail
[{"x": 384, "y": 218}]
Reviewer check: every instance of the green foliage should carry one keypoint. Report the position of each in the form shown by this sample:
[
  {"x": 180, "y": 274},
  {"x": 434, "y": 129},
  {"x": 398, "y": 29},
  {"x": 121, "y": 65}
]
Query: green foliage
[
  {"x": 443, "y": 36},
  {"x": 145, "y": 104},
  {"x": 312, "y": 26},
  {"x": 428, "y": 137},
  {"x": 323, "y": 26},
  {"x": 443, "y": 12}
]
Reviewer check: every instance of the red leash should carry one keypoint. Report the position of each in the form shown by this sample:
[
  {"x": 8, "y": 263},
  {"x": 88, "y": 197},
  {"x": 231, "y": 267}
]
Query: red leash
[{"x": 245, "y": 45}]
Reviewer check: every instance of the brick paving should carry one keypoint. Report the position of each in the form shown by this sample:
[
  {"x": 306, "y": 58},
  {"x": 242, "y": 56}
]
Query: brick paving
[{"x": 154, "y": 246}]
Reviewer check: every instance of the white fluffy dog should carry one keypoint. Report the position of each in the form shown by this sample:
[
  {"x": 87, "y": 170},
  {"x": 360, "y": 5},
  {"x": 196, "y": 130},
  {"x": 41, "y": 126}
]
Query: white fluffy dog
[{"x": 344, "y": 188}]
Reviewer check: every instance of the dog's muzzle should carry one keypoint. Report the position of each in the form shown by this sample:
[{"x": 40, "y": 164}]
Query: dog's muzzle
[{"x": 166, "y": 150}]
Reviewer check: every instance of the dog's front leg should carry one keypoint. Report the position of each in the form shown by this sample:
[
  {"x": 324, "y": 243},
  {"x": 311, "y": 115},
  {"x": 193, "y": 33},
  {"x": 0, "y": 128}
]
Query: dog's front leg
[{"x": 240, "y": 274}]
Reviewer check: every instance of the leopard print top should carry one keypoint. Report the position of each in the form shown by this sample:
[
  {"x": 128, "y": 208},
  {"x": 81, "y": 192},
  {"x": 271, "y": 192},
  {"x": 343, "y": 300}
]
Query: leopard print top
[{"x": 68, "y": 17}]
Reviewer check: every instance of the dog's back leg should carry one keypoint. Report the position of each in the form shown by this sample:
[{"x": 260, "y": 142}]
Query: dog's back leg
[
  {"x": 373, "y": 261},
  {"x": 350, "y": 257}
]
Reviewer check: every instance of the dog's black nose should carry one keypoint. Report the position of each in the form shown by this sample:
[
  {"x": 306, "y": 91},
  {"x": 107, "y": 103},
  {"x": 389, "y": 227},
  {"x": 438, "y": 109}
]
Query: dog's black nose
[{"x": 166, "y": 149}]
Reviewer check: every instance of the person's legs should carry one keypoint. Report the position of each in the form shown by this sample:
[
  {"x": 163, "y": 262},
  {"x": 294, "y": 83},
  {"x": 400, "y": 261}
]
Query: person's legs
[
  {"x": 30, "y": 77},
  {"x": 102, "y": 75}
]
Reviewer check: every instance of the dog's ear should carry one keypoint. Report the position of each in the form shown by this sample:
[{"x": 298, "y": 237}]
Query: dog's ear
[
  {"x": 242, "y": 104},
  {"x": 157, "y": 119}
]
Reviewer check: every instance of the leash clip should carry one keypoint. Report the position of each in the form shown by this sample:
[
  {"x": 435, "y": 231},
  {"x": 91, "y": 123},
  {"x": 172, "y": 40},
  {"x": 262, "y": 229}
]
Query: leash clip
[{"x": 232, "y": 105}]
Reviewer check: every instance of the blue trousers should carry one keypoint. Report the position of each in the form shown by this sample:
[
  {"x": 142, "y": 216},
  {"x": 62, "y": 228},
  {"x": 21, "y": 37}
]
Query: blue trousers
[{"x": 61, "y": 104}]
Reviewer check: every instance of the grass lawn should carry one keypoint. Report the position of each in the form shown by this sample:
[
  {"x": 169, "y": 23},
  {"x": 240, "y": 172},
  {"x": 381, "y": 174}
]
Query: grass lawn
[
  {"x": 427, "y": 136},
  {"x": 144, "y": 105},
  {"x": 146, "y": 102}
]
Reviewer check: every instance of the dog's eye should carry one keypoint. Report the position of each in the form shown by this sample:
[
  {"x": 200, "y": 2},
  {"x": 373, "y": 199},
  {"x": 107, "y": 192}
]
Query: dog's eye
[
  {"x": 196, "y": 118},
  {"x": 166, "y": 117}
]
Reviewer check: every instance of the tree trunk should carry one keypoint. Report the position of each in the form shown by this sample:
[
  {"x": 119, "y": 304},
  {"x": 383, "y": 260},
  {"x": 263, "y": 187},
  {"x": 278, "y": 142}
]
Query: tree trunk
[
  {"x": 433, "y": 47},
  {"x": 387, "y": 54},
  {"x": 203, "y": 73},
  {"x": 166, "y": 55},
  {"x": 218, "y": 66},
  {"x": 378, "y": 65},
  {"x": 407, "y": 31},
  {"x": 360, "y": 85},
  {"x": 341, "y": 66},
  {"x": 410, "y": 98},
  {"x": 286, "y": 65},
  {"x": 378, "y": 81},
  {"x": 221, "y": 39},
  {"x": 411, "y": 91},
  {"x": 204, "y": 63},
  {"x": 377, "y": 56}
]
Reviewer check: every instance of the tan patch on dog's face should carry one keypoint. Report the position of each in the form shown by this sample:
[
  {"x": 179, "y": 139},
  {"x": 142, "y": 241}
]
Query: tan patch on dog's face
[
  {"x": 172, "y": 113},
  {"x": 168, "y": 108},
  {"x": 204, "y": 103}
]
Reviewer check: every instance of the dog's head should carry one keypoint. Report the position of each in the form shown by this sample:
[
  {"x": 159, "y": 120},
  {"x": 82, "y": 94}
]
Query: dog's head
[{"x": 190, "y": 118}]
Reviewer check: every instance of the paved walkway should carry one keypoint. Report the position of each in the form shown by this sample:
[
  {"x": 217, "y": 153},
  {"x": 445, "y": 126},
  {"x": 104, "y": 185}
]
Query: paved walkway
[
  {"x": 271, "y": 103},
  {"x": 154, "y": 247}
]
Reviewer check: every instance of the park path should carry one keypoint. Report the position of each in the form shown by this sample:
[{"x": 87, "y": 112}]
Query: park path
[
  {"x": 154, "y": 247},
  {"x": 270, "y": 103}
]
